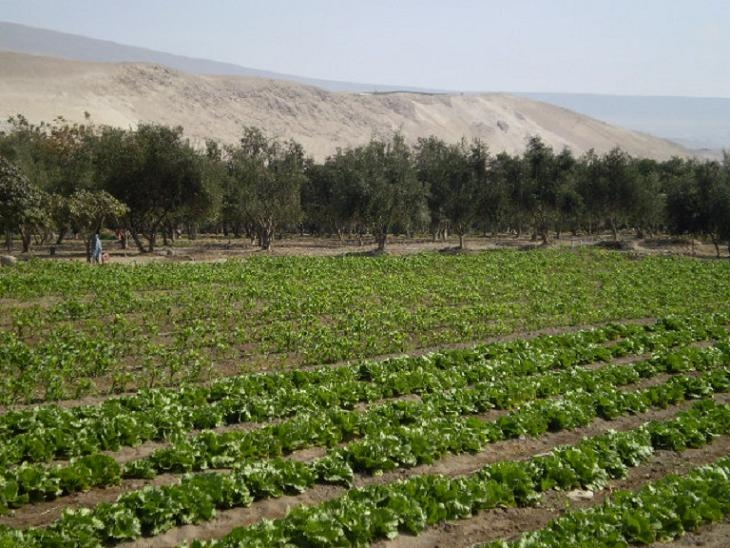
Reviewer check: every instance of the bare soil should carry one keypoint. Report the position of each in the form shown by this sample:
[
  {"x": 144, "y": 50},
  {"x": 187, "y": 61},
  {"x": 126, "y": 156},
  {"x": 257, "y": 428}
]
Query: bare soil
[
  {"x": 710, "y": 536},
  {"x": 219, "y": 248}
]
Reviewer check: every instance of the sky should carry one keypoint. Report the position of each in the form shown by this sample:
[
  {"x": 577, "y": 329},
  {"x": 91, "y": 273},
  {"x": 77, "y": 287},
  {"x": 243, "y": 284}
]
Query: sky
[{"x": 627, "y": 47}]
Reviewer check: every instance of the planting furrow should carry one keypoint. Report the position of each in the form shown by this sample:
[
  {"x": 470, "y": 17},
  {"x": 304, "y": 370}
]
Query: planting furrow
[
  {"x": 451, "y": 466},
  {"x": 384, "y": 428},
  {"x": 512, "y": 522},
  {"x": 144, "y": 449},
  {"x": 523, "y": 448},
  {"x": 211, "y": 451},
  {"x": 159, "y": 414},
  {"x": 421, "y": 501},
  {"x": 113, "y": 521},
  {"x": 256, "y": 483},
  {"x": 43, "y": 513},
  {"x": 127, "y": 453},
  {"x": 712, "y": 535},
  {"x": 696, "y": 494}
]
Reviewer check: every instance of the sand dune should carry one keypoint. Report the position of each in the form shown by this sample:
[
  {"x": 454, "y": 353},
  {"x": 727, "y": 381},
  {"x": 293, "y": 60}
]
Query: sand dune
[{"x": 218, "y": 107}]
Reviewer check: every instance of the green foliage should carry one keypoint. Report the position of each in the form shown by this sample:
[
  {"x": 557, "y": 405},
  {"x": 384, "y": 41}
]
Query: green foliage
[
  {"x": 174, "y": 322},
  {"x": 264, "y": 186},
  {"x": 456, "y": 179},
  {"x": 698, "y": 200},
  {"x": 398, "y": 434},
  {"x": 378, "y": 186},
  {"x": 88, "y": 210},
  {"x": 152, "y": 170},
  {"x": 22, "y": 204},
  {"x": 454, "y": 385},
  {"x": 383, "y": 511},
  {"x": 661, "y": 511},
  {"x": 266, "y": 177}
]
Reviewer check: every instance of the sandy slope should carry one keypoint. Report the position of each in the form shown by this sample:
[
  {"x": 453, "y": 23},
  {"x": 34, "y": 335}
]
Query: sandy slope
[{"x": 218, "y": 107}]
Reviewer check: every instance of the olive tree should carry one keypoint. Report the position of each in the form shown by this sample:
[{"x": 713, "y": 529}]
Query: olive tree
[
  {"x": 387, "y": 186},
  {"x": 456, "y": 178},
  {"x": 267, "y": 177},
  {"x": 155, "y": 172},
  {"x": 88, "y": 210},
  {"x": 23, "y": 206}
]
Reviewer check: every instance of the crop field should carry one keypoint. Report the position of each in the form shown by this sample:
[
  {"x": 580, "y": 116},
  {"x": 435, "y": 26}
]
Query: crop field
[{"x": 507, "y": 398}]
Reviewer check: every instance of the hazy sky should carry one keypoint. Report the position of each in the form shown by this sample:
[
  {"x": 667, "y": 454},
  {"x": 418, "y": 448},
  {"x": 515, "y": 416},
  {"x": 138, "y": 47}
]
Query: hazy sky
[{"x": 642, "y": 47}]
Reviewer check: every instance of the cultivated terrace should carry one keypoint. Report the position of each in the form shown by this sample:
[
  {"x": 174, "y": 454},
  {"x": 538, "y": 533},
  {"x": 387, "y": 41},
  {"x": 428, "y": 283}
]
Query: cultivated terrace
[{"x": 541, "y": 397}]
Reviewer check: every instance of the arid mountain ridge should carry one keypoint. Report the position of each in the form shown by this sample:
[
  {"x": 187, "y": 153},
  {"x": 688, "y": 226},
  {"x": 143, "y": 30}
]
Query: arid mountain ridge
[{"x": 219, "y": 107}]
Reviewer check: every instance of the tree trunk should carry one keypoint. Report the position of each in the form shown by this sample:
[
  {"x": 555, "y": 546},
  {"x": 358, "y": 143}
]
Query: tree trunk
[
  {"x": 461, "y": 240},
  {"x": 544, "y": 236},
  {"x": 26, "y": 239},
  {"x": 381, "y": 238},
  {"x": 251, "y": 233},
  {"x": 137, "y": 241},
  {"x": 193, "y": 231},
  {"x": 87, "y": 244},
  {"x": 266, "y": 234},
  {"x": 151, "y": 239},
  {"x": 716, "y": 243},
  {"x": 614, "y": 230},
  {"x": 8, "y": 241}
]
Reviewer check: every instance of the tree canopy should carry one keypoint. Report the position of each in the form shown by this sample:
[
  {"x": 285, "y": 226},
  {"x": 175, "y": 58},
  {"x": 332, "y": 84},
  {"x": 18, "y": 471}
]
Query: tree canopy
[{"x": 152, "y": 181}]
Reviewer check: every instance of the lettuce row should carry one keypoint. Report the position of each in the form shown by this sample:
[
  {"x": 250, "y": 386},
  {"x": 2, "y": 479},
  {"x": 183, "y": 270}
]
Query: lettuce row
[
  {"x": 366, "y": 514},
  {"x": 660, "y": 511},
  {"x": 383, "y": 511},
  {"x": 598, "y": 397},
  {"x": 397, "y": 434},
  {"x": 48, "y": 432},
  {"x": 408, "y": 446},
  {"x": 278, "y": 476}
]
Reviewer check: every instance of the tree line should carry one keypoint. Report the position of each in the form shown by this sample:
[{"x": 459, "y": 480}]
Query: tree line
[{"x": 59, "y": 178}]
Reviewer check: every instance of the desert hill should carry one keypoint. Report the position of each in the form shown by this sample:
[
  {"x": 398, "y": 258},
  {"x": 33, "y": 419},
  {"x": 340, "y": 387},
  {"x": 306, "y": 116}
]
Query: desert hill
[
  {"x": 218, "y": 107},
  {"x": 37, "y": 41}
]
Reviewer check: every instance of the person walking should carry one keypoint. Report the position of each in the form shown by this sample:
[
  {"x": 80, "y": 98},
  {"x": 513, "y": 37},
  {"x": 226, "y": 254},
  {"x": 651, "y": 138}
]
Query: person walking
[{"x": 96, "y": 250}]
